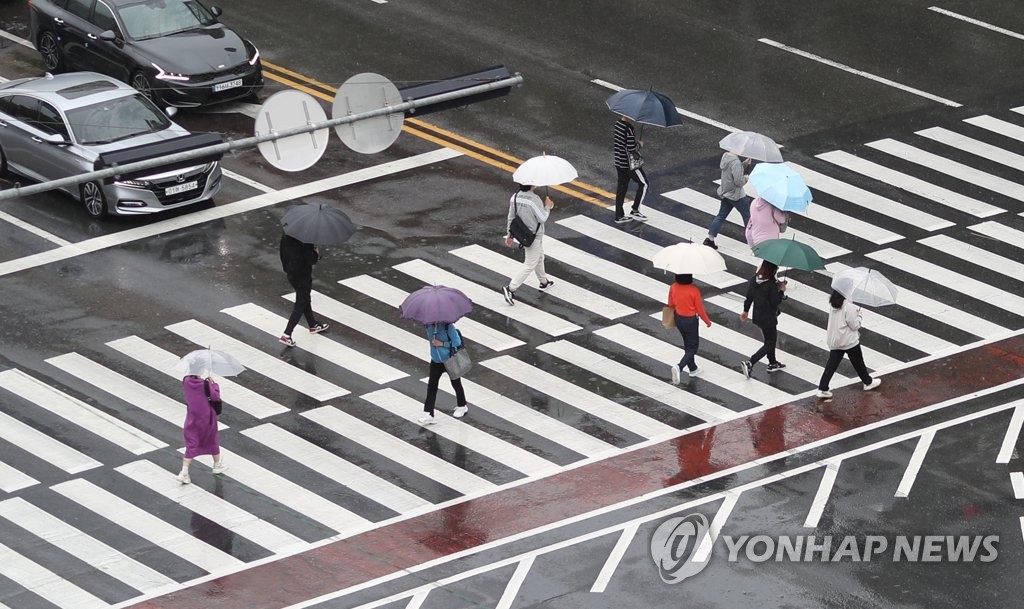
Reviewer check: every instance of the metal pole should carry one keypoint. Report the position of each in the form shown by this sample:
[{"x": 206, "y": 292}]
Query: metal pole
[{"x": 19, "y": 191}]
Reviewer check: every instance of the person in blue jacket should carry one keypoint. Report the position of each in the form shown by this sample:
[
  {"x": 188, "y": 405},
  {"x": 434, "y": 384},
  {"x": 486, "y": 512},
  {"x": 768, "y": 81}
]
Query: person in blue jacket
[{"x": 442, "y": 338}]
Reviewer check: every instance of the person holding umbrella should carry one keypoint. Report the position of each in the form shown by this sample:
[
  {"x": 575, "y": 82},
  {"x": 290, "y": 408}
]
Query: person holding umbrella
[
  {"x": 843, "y": 337},
  {"x": 297, "y": 259},
  {"x": 531, "y": 210},
  {"x": 730, "y": 191},
  {"x": 765, "y": 221},
  {"x": 202, "y": 400},
  {"x": 685, "y": 299},
  {"x": 626, "y": 148},
  {"x": 765, "y": 293}
]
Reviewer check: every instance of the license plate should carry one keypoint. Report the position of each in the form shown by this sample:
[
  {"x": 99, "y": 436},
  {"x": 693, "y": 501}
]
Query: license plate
[
  {"x": 224, "y": 86},
  {"x": 173, "y": 190}
]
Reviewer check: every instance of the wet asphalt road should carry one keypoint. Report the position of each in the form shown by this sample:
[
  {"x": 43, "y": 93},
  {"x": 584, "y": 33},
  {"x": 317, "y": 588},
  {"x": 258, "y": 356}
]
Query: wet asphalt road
[{"x": 707, "y": 57}]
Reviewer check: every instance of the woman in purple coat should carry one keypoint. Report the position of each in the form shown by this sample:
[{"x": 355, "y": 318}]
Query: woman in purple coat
[{"x": 200, "y": 429}]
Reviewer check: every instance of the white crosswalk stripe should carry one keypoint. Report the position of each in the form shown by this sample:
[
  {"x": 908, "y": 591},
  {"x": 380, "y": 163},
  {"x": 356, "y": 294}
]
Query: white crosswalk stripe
[
  {"x": 975, "y": 147},
  {"x": 47, "y": 584},
  {"x": 976, "y": 255},
  {"x": 42, "y": 446},
  {"x": 13, "y": 480},
  {"x": 394, "y": 336},
  {"x": 995, "y": 125},
  {"x": 605, "y": 269}
]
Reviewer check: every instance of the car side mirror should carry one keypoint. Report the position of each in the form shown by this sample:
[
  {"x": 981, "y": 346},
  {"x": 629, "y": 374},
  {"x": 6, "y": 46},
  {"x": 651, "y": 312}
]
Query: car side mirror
[
  {"x": 108, "y": 35},
  {"x": 216, "y": 11}
]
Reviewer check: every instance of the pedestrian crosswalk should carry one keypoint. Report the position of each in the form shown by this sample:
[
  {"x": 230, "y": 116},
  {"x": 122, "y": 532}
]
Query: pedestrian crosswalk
[{"x": 321, "y": 440}]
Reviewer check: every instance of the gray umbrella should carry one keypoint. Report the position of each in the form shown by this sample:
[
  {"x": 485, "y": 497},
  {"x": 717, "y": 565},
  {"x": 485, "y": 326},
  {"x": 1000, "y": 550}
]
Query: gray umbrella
[{"x": 318, "y": 223}]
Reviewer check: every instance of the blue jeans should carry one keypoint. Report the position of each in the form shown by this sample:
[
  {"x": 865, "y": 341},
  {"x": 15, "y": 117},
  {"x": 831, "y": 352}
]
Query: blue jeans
[
  {"x": 743, "y": 205},
  {"x": 689, "y": 328}
]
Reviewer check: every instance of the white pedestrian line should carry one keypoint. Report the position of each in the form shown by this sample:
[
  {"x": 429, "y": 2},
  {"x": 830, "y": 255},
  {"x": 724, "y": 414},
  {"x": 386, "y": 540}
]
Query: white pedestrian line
[
  {"x": 241, "y": 179},
  {"x": 950, "y": 280},
  {"x": 370, "y": 437},
  {"x": 482, "y": 398},
  {"x": 330, "y": 465},
  {"x": 511, "y": 592},
  {"x": 828, "y": 479},
  {"x": 871, "y": 201},
  {"x": 951, "y": 168},
  {"x": 212, "y": 507},
  {"x": 911, "y": 184},
  {"x": 289, "y": 494},
  {"x": 734, "y": 248},
  {"x": 999, "y": 126},
  {"x": 473, "y": 330},
  {"x": 606, "y": 270},
  {"x": 35, "y": 230},
  {"x": 973, "y": 21},
  {"x": 975, "y": 147},
  {"x": 655, "y": 388},
  {"x": 47, "y": 584},
  {"x": 707, "y": 543},
  {"x": 88, "y": 549},
  {"x": 579, "y": 398},
  {"x": 115, "y": 383},
  {"x": 41, "y": 445},
  {"x": 614, "y": 558},
  {"x": 463, "y": 434},
  {"x": 13, "y": 480},
  {"x": 845, "y": 68},
  {"x": 914, "y": 466},
  {"x": 233, "y": 394},
  {"x": 687, "y": 113},
  {"x": 203, "y": 216},
  {"x": 1000, "y": 232},
  {"x": 727, "y": 378},
  {"x": 393, "y": 336},
  {"x": 723, "y": 336},
  {"x": 320, "y": 345},
  {"x": 489, "y": 298},
  {"x": 563, "y": 290},
  {"x": 976, "y": 255},
  {"x": 808, "y": 333},
  {"x": 631, "y": 244},
  {"x": 1017, "y": 482},
  {"x": 18, "y": 40},
  {"x": 87, "y": 417},
  {"x": 417, "y": 599},
  {"x": 939, "y": 311},
  {"x": 258, "y": 361},
  {"x": 147, "y": 526},
  {"x": 1009, "y": 445}
]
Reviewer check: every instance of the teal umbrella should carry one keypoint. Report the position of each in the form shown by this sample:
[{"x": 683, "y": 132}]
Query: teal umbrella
[{"x": 789, "y": 252}]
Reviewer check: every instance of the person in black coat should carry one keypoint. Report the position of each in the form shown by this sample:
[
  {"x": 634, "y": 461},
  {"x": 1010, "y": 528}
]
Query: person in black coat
[
  {"x": 765, "y": 294},
  {"x": 297, "y": 260}
]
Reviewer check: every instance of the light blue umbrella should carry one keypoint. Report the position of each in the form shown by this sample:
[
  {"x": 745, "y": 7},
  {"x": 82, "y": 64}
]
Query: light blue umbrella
[{"x": 781, "y": 186}]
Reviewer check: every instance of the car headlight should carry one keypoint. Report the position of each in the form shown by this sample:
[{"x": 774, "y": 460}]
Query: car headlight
[
  {"x": 255, "y": 56},
  {"x": 134, "y": 183},
  {"x": 161, "y": 75}
]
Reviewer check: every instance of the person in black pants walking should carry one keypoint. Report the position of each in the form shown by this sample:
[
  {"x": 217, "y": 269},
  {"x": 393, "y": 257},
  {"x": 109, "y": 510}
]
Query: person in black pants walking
[
  {"x": 443, "y": 338},
  {"x": 624, "y": 143},
  {"x": 843, "y": 338},
  {"x": 765, "y": 294},
  {"x": 297, "y": 259}
]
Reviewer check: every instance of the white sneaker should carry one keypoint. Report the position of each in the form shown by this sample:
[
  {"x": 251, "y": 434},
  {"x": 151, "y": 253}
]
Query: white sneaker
[
  {"x": 218, "y": 468},
  {"x": 824, "y": 394},
  {"x": 460, "y": 411},
  {"x": 183, "y": 478},
  {"x": 695, "y": 373},
  {"x": 874, "y": 383},
  {"x": 675, "y": 374},
  {"x": 426, "y": 420}
]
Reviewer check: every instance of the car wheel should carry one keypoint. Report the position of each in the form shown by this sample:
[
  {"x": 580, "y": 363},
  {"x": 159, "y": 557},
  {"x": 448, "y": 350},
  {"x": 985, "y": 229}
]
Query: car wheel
[
  {"x": 142, "y": 83},
  {"x": 49, "y": 48},
  {"x": 93, "y": 199}
]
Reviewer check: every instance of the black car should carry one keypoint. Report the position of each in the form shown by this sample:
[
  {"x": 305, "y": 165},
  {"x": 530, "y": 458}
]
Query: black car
[{"x": 173, "y": 51}]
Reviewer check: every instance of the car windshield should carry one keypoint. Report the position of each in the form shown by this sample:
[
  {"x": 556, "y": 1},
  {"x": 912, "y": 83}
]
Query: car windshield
[
  {"x": 116, "y": 119},
  {"x": 153, "y": 18}
]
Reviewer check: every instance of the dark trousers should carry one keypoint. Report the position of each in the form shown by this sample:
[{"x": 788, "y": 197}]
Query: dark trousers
[
  {"x": 770, "y": 330},
  {"x": 624, "y": 177},
  {"x": 689, "y": 328},
  {"x": 303, "y": 303},
  {"x": 726, "y": 207},
  {"x": 835, "y": 357},
  {"x": 436, "y": 370}
]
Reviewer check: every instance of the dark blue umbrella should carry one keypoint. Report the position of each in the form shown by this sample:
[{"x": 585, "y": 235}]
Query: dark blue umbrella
[
  {"x": 645, "y": 107},
  {"x": 432, "y": 304}
]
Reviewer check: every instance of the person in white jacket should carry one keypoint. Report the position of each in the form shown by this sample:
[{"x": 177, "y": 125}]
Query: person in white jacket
[{"x": 843, "y": 338}]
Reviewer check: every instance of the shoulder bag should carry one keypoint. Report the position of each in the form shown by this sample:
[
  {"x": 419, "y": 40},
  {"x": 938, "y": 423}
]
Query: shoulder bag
[
  {"x": 635, "y": 160},
  {"x": 216, "y": 404},
  {"x": 519, "y": 231},
  {"x": 459, "y": 362}
]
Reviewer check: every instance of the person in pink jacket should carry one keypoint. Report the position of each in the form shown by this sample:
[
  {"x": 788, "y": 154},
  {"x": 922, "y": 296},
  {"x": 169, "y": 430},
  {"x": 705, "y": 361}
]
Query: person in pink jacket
[
  {"x": 200, "y": 429},
  {"x": 766, "y": 222}
]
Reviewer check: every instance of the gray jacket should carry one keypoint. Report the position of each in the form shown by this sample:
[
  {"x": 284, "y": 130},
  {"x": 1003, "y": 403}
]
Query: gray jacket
[
  {"x": 530, "y": 208},
  {"x": 732, "y": 178}
]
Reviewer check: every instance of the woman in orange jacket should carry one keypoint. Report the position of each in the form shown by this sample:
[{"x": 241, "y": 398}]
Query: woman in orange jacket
[{"x": 685, "y": 298}]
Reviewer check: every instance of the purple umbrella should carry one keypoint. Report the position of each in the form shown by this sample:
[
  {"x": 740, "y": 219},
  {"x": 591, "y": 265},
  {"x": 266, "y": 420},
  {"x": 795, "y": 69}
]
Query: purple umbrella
[{"x": 435, "y": 303}]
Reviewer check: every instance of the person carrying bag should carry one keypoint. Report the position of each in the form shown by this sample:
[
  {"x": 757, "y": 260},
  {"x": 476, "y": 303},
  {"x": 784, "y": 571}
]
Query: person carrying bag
[
  {"x": 445, "y": 340},
  {"x": 526, "y": 209}
]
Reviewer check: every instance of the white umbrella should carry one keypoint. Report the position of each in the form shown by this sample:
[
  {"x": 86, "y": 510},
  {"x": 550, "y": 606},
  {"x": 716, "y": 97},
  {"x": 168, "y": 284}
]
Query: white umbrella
[
  {"x": 689, "y": 258},
  {"x": 545, "y": 170},
  {"x": 865, "y": 286},
  {"x": 205, "y": 362},
  {"x": 753, "y": 145}
]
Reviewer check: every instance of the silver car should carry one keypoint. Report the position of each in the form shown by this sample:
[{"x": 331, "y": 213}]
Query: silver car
[{"x": 65, "y": 125}]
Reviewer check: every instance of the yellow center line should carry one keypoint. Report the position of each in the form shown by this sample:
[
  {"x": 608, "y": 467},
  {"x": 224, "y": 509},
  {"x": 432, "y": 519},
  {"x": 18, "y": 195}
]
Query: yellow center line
[{"x": 466, "y": 150}]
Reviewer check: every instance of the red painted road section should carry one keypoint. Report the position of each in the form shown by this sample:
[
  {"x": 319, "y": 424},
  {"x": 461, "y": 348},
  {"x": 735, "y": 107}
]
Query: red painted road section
[{"x": 412, "y": 542}]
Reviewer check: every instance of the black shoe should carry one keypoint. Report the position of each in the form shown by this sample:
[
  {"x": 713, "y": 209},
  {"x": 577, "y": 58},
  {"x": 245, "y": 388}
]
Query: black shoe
[
  {"x": 510, "y": 296},
  {"x": 776, "y": 366},
  {"x": 710, "y": 243},
  {"x": 547, "y": 284},
  {"x": 745, "y": 367},
  {"x": 622, "y": 219}
]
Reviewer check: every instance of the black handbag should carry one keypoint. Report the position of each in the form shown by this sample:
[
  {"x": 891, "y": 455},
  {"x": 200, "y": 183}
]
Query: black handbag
[
  {"x": 217, "y": 405},
  {"x": 634, "y": 159},
  {"x": 520, "y": 232}
]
